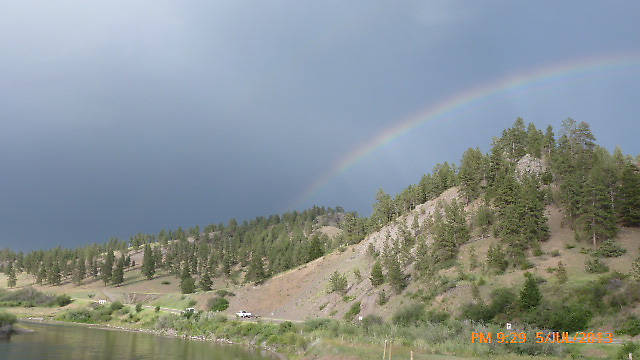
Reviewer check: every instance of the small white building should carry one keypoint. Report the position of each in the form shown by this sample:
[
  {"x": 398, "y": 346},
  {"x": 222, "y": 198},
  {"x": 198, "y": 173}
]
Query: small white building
[{"x": 102, "y": 302}]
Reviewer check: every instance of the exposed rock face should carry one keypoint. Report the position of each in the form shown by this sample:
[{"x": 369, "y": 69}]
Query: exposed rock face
[{"x": 529, "y": 165}]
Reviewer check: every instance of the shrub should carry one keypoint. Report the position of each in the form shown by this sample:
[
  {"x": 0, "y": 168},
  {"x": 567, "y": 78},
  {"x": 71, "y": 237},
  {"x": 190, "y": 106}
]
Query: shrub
[
  {"x": 166, "y": 321},
  {"x": 435, "y": 316},
  {"x": 595, "y": 266},
  {"x": 628, "y": 347},
  {"x": 409, "y": 315},
  {"x": 191, "y": 303},
  {"x": 382, "y": 298},
  {"x": 165, "y": 282},
  {"x": 217, "y": 304},
  {"x": 224, "y": 293},
  {"x": 477, "y": 312},
  {"x": 7, "y": 318},
  {"x": 630, "y": 327},
  {"x": 63, "y": 300},
  {"x": 610, "y": 248},
  {"x": 353, "y": 311},
  {"x": 285, "y": 327},
  {"x": 116, "y": 305},
  {"x": 138, "y": 307},
  {"x": 371, "y": 320},
  {"x": 502, "y": 301},
  {"x": 337, "y": 282},
  {"x": 157, "y": 309},
  {"x": 555, "y": 253}
]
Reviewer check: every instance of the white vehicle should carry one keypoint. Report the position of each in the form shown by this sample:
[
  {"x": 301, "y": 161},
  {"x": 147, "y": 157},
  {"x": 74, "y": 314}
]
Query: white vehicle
[{"x": 244, "y": 314}]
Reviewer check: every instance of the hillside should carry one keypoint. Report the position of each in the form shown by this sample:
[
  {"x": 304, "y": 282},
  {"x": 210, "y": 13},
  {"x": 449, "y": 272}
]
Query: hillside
[{"x": 540, "y": 233}]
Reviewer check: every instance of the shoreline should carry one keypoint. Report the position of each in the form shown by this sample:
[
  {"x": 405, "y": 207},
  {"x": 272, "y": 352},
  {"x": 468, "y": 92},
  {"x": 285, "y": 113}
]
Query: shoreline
[{"x": 161, "y": 333}]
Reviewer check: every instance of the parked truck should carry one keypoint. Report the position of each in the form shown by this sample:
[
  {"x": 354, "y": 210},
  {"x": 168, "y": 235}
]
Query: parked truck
[{"x": 244, "y": 314}]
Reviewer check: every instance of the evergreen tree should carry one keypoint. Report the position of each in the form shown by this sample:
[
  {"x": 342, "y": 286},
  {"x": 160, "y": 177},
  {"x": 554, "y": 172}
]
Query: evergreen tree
[
  {"x": 472, "y": 173},
  {"x": 187, "y": 284},
  {"x": 11, "y": 275},
  {"x": 530, "y": 295},
  {"x": 256, "y": 271},
  {"x": 148, "y": 262},
  {"x": 597, "y": 215},
  {"x": 316, "y": 248},
  {"x": 79, "y": 272},
  {"x": 396, "y": 276},
  {"x": 629, "y": 207},
  {"x": 377, "y": 277},
  {"x": 205, "y": 281},
  {"x": 106, "y": 272},
  {"x": 41, "y": 275},
  {"x": 496, "y": 258},
  {"x": 56, "y": 277},
  {"x": 117, "y": 277}
]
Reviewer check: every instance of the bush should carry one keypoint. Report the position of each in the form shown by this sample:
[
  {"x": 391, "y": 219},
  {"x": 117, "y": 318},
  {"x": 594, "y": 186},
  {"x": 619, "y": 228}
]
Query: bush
[
  {"x": 353, "y": 311},
  {"x": 409, "y": 315},
  {"x": 595, "y": 266},
  {"x": 116, "y": 305},
  {"x": 630, "y": 327},
  {"x": 502, "y": 301},
  {"x": 217, "y": 304},
  {"x": 191, "y": 303},
  {"x": 138, "y": 307},
  {"x": 555, "y": 253},
  {"x": 157, "y": 309},
  {"x": 63, "y": 300},
  {"x": 610, "y": 248},
  {"x": 337, "y": 282},
  {"x": 166, "y": 321},
  {"x": 224, "y": 293},
  {"x": 628, "y": 347},
  {"x": 477, "y": 312},
  {"x": 371, "y": 320},
  {"x": 7, "y": 318},
  {"x": 165, "y": 282},
  {"x": 285, "y": 327},
  {"x": 435, "y": 316}
]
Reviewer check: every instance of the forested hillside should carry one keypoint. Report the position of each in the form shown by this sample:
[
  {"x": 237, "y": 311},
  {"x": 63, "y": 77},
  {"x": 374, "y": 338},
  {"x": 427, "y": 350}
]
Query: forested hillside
[{"x": 488, "y": 240}]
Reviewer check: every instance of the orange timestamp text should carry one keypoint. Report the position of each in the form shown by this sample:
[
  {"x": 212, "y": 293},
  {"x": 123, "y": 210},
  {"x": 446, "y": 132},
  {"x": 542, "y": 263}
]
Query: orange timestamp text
[{"x": 543, "y": 337}]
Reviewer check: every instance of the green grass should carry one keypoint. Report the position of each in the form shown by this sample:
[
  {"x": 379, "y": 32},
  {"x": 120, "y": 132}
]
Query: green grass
[{"x": 172, "y": 301}]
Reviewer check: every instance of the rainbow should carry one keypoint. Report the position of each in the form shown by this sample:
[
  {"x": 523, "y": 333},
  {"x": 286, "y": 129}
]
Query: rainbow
[{"x": 465, "y": 98}]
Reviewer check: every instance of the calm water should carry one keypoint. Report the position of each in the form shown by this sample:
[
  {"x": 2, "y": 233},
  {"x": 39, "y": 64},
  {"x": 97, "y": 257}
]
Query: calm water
[{"x": 69, "y": 342}]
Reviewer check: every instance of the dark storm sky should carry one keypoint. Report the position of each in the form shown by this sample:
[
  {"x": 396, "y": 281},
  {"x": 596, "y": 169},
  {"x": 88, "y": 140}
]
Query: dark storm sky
[{"x": 120, "y": 117}]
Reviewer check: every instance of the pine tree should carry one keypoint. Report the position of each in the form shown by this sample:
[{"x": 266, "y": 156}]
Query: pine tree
[
  {"x": 316, "y": 248},
  {"x": 530, "y": 295},
  {"x": 187, "y": 284},
  {"x": 56, "y": 277},
  {"x": 629, "y": 207},
  {"x": 256, "y": 271},
  {"x": 205, "y": 281},
  {"x": 41, "y": 275},
  {"x": 597, "y": 216},
  {"x": 79, "y": 272},
  {"x": 396, "y": 276},
  {"x": 377, "y": 277},
  {"x": 148, "y": 262},
  {"x": 117, "y": 277},
  {"x": 472, "y": 173},
  {"x": 106, "y": 272},
  {"x": 11, "y": 275},
  {"x": 496, "y": 258}
]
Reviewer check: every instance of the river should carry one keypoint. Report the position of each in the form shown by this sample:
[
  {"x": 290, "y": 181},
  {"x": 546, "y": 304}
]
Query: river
[{"x": 72, "y": 342}]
